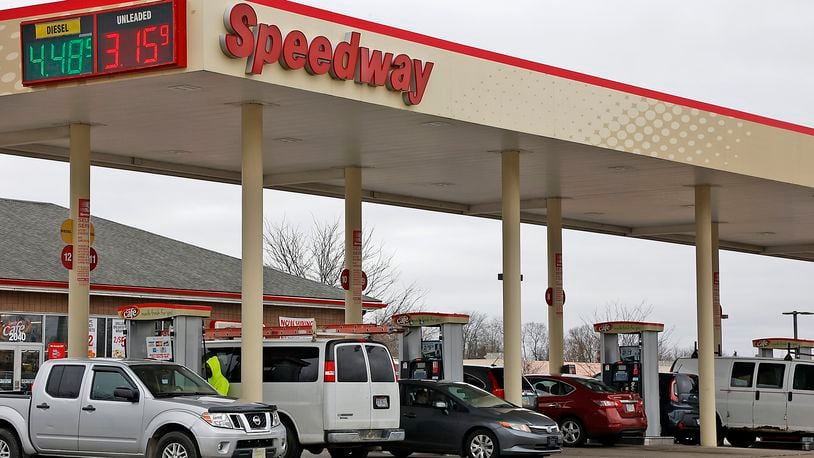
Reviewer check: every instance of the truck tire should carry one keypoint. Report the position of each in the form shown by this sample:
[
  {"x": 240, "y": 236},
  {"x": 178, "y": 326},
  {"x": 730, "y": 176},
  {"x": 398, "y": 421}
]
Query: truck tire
[
  {"x": 293, "y": 449},
  {"x": 742, "y": 439},
  {"x": 175, "y": 444},
  {"x": 9, "y": 445},
  {"x": 355, "y": 452}
]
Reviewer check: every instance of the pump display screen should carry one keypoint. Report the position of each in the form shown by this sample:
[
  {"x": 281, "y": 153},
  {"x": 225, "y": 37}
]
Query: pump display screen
[{"x": 103, "y": 42}]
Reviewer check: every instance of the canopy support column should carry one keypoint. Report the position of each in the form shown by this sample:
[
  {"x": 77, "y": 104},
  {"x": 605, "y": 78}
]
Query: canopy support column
[
  {"x": 706, "y": 337},
  {"x": 353, "y": 244},
  {"x": 512, "y": 351},
  {"x": 251, "y": 311},
  {"x": 79, "y": 276},
  {"x": 555, "y": 320}
]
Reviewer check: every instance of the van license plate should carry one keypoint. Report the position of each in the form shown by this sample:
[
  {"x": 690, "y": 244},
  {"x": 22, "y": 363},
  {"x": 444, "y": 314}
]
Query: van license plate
[
  {"x": 258, "y": 453},
  {"x": 381, "y": 402},
  {"x": 629, "y": 407}
]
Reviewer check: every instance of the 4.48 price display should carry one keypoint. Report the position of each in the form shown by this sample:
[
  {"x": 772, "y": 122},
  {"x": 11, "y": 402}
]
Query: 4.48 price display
[{"x": 105, "y": 42}]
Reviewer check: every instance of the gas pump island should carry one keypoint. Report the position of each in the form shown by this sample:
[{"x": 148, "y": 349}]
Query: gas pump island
[
  {"x": 165, "y": 332},
  {"x": 633, "y": 368},
  {"x": 438, "y": 358}
]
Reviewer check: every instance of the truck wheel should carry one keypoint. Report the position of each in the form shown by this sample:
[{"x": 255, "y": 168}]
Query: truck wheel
[
  {"x": 740, "y": 439},
  {"x": 176, "y": 444},
  {"x": 348, "y": 452},
  {"x": 293, "y": 449},
  {"x": 9, "y": 446}
]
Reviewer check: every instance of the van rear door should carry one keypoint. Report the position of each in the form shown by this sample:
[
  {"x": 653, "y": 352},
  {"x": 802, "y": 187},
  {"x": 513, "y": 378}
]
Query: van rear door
[
  {"x": 383, "y": 387},
  {"x": 348, "y": 398}
]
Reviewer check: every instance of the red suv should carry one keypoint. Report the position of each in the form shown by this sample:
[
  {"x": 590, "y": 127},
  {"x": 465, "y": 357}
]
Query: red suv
[{"x": 588, "y": 409}]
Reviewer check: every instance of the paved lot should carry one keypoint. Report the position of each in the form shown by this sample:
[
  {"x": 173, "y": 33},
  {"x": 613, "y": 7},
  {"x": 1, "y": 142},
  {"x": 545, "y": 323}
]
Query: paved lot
[{"x": 671, "y": 451}]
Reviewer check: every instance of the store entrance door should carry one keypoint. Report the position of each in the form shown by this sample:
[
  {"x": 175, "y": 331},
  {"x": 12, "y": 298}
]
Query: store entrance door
[{"x": 19, "y": 364}]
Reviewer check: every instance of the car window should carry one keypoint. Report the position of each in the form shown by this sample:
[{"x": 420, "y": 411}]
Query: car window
[
  {"x": 350, "y": 364},
  {"x": 770, "y": 375},
  {"x": 64, "y": 381},
  {"x": 742, "y": 374},
  {"x": 229, "y": 359},
  {"x": 474, "y": 381},
  {"x": 593, "y": 385},
  {"x": 290, "y": 364},
  {"x": 381, "y": 365},
  {"x": 168, "y": 380},
  {"x": 105, "y": 383},
  {"x": 474, "y": 397},
  {"x": 686, "y": 384},
  {"x": 804, "y": 377},
  {"x": 418, "y": 396},
  {"x": 543, "y": 387}
]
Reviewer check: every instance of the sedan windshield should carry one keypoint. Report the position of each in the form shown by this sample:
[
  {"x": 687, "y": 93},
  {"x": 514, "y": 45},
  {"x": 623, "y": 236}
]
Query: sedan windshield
[
  {"x": 474, "y": 397},
  {"x": 165, "y": 380},
  {"x": 593, "y": 385}
]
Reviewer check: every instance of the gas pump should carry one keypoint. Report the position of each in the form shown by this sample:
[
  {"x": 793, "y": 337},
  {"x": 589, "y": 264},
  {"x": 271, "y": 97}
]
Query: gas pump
[
  {"x": 633, "y": 368},
  {"x": 165, "y": 332},
  {"x": 436, "y": 359}
]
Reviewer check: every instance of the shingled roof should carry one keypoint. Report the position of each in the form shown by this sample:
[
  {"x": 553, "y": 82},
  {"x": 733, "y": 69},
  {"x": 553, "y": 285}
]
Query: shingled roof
[{"x": 30, "y": 245}]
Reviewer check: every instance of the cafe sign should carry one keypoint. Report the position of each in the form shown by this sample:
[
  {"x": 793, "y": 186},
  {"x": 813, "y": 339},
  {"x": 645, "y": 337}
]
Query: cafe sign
[{"x": 156, "y": 311}]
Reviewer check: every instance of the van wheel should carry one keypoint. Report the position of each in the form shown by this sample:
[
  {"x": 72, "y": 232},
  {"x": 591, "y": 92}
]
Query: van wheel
[
  {"x": 482, "y": 443},
  {"x": 9, "y": 446},
  {"x": 573, "y": 432},
  {"x": 176, "y": 444},
  {"x": 740, "y": 439},
  {"x": 293, "y": 449}
]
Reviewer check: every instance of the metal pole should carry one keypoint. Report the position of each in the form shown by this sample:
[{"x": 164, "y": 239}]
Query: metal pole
[
  {"x": 555, "y": 318},
  {"x": 79, "y": 276},
  {"x": 353, "y": 243},
  {"x": 512, "y": 360},
  {"x": 795, "y": 325},
  {"x": 251, "y": 311},
  {"x": 706, "y": 338}
]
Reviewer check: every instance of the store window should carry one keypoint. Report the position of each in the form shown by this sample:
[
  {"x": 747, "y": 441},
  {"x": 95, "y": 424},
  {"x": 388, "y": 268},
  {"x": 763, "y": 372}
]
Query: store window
[{"x": 20, "y": 328}]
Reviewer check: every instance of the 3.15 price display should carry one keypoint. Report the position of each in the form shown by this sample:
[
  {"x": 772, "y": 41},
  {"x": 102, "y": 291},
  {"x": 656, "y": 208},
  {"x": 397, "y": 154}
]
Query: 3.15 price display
[
  {"x": 135, "y": 38},
  {"x": 104, "y": 42}
]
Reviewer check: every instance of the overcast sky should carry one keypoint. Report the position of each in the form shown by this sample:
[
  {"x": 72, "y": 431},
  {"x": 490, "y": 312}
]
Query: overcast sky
[{"x": 750, "y": 55}]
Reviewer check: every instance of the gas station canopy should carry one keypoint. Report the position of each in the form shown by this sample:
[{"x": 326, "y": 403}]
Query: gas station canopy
[{"x": 425, "y": 118}]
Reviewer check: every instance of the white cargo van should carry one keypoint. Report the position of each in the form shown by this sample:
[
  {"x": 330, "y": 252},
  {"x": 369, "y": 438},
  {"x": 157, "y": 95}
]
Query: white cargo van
[
  {"x": 760, "y": 396},
  {"x": 340, "y": 394}
]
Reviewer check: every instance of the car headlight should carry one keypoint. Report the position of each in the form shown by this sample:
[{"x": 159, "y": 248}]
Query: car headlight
[
  {"x": 218, "y": 420},
  {"x": 275, "y": 419},
  {"x": 516, "y": 426}
]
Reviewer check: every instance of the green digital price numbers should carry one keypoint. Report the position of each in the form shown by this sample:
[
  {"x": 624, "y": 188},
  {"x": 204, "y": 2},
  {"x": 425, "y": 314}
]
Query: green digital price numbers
[{"x": 58, "y": 49}]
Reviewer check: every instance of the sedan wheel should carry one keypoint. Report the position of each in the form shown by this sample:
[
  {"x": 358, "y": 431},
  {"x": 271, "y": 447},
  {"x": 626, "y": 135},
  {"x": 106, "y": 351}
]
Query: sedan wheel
[
  {"x": 482, "y": 444},
  {"x": 5, "y": 451},
  {"x": 573, "y": 433}
]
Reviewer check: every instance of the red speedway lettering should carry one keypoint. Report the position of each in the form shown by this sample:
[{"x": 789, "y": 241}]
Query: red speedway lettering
[{"x": 263, "y": 44}]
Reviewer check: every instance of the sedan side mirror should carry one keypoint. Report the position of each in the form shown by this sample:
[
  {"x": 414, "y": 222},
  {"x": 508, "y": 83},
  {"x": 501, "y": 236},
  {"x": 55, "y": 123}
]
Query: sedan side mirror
[{"x": 128, "y": 394}]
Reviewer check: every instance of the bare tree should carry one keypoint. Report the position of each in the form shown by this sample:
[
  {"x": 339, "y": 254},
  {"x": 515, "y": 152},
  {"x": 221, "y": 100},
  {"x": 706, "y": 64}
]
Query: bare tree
[
  {"x": 535, "y": 341},
  {"x": 319, "y": 254},
  {"x": 581, "y": 344},
  {"x": 472, "y": 333}
]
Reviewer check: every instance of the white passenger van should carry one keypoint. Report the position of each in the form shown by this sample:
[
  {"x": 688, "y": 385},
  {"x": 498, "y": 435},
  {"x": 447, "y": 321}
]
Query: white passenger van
[
  {"x": 340, "y": 394},
  {"x": 760, "y": 396}
]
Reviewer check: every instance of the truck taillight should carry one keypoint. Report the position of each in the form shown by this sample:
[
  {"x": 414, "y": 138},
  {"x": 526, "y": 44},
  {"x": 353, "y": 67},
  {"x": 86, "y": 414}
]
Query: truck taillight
[
  {"x": 673, "y": 391},
  {"x": 330, "y": 371},
  {"x": 436, "y": 368}
]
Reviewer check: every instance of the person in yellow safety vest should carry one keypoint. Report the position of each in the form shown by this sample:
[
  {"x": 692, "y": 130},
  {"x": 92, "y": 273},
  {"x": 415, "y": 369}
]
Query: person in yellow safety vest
[{"x": 216, "y": 378}]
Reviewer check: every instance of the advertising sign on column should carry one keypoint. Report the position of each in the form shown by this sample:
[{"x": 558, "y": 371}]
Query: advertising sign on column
[
  {"x": 558, "y": 293},
  {"x": 159, "y": 348},
  {"x": 356, "y": 267},
  {"x": 91, "y": 337},
  {"x": 119, "y": 339},
  {"x": 82, "y": 248}
]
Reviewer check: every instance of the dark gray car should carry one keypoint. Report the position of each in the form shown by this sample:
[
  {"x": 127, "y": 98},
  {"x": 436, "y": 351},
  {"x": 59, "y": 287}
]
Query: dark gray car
[{"x": 457, "y": 418}]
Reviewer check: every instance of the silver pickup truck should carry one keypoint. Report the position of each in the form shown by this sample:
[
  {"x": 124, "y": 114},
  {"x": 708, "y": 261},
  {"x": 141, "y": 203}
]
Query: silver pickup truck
[{"x": 107, "y": 408}]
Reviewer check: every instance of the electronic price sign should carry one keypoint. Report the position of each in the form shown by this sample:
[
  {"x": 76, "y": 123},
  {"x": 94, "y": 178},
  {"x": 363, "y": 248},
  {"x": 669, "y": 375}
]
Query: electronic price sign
[{"x": 104, "y": 42}]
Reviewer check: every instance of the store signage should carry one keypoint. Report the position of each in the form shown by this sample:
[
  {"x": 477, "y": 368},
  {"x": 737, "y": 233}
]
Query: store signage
[
  {"x": 161, "y": 311},
  {"x": 57, "y": 350},
  {"x": 627, "y": 327},
  {"x": 286, "y": 321},
  {"x": 159, "y": 348},
  {"x": 262, "y": 44},
  {"x": 14, "y": 331}
]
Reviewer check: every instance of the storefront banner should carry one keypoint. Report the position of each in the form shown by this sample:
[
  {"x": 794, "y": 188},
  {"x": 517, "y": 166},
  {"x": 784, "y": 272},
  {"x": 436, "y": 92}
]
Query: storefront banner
[
  {"x": 57, "y": 350},
  {"x": 286, "y": 321},
  {"x": 161, "y": 311},
  {"x": 91, "y": 337},
  {"x": 159, "y": 348},
  {"x": 118, "y": 339},
  {"x": 21, "y": 328}
]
